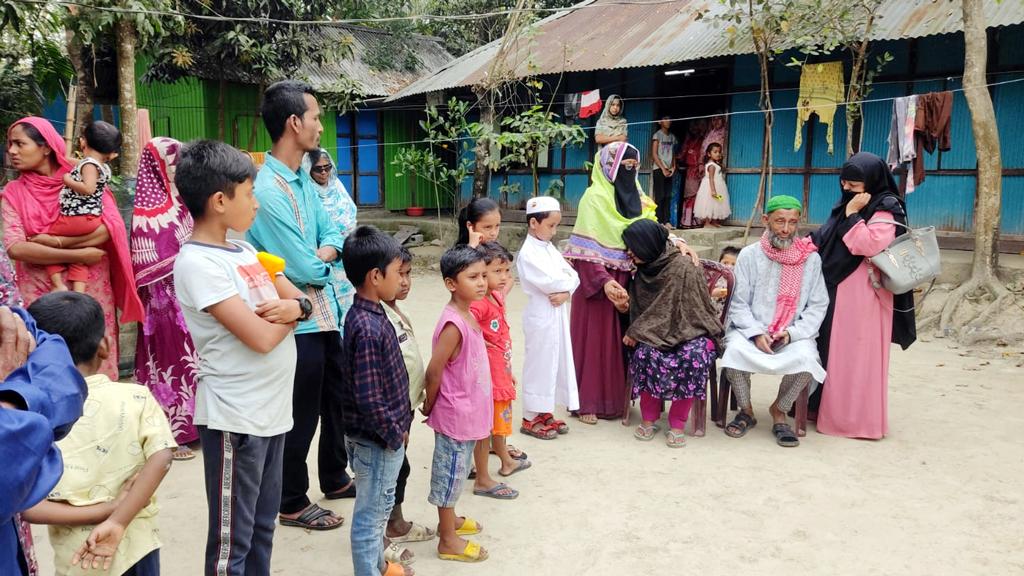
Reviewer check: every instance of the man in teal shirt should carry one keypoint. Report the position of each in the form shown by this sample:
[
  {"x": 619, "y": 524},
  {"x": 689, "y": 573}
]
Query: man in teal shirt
[{"x": 292, "y": 223}]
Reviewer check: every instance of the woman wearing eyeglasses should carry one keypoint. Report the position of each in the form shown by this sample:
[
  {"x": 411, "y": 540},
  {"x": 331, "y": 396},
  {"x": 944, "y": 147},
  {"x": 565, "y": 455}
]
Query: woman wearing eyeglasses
[{"x": 342, "y": 212}]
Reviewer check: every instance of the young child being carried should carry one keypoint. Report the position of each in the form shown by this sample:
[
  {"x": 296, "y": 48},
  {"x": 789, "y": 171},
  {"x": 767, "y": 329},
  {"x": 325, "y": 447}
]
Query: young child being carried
[
  {"x": 399, "y": 530},
  {"x": 490, "y": 315},
  {"x": 242, "y": 322},
  {"x": 458, "y": 405},
  {"x": 374, "y": 395},
  {"x": 122, "y": 438},
  {"x": 549, "y": 376},
  {"x": 81, "y": 201}
]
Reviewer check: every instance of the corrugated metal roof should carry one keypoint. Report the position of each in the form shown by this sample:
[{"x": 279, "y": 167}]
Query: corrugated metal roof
[
  {"x": 372, "y": 82},
  {"x": 604, "y": 35},
  {"x": 375, "y": 82}
]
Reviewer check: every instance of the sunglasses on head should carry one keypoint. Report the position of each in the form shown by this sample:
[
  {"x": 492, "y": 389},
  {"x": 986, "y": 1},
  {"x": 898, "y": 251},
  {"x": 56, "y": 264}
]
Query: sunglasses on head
[{"x": 321, "y": 169}]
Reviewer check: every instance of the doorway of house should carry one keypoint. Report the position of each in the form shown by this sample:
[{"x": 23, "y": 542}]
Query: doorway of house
[{"x": 696, "y": 98}]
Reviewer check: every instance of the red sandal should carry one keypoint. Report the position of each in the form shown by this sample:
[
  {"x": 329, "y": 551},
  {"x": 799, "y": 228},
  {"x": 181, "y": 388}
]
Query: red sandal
[
  {"x": 557, "y": 425},
  {"x": 538, "y": 428}
]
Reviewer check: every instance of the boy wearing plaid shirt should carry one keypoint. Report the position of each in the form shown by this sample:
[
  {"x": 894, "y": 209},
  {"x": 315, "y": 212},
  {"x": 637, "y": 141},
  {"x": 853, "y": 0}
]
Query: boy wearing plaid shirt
[{"x": 374, "y": 395}]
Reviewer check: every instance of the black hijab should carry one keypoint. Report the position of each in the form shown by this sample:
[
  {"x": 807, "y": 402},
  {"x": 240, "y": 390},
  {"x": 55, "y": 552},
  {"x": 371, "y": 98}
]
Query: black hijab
[
  {"x": 627, "y": 196},
  {"x": 837, "y": 263},
  {"x": 669, "y": 301},
  {"x": 646, "y": 240}
]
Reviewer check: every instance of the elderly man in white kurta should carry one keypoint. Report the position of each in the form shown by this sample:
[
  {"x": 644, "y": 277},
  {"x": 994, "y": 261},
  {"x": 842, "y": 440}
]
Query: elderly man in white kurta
[{"x": 778, "y": 303}]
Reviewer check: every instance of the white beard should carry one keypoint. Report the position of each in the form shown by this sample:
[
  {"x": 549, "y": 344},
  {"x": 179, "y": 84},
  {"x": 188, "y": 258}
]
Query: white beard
[{"x": 781, "y": 243}]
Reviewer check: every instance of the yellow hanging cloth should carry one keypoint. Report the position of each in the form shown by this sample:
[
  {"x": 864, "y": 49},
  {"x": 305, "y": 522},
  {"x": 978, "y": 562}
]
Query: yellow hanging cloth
[{"x": 821, "y": 91}]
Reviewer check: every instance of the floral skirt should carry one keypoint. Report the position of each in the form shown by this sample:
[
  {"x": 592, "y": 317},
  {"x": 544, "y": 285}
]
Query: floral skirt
[{"x": 673, "y": 375}]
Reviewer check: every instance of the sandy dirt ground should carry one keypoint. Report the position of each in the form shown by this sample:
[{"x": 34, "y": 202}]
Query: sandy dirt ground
[{"x": 943, "y": 494}]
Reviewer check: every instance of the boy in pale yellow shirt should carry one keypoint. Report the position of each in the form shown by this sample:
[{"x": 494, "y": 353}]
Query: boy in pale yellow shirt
[
  {"x": 122, "y": 436},
  {"x": 399, "y": 529}
]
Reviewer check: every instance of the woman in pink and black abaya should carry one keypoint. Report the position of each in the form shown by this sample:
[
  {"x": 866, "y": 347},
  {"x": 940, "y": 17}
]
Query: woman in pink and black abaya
[{"x": 863, "y": 317}]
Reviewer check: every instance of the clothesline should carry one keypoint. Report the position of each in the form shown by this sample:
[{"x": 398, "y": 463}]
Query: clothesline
[{"x": 638, "y": 123}]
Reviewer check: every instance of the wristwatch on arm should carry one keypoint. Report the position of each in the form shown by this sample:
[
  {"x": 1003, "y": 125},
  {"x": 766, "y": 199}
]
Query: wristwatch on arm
[{"x": 306, "y": 306}]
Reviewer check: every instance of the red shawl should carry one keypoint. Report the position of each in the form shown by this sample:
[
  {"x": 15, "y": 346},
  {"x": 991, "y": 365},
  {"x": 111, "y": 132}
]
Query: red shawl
[{"x": 36, "y": 199}]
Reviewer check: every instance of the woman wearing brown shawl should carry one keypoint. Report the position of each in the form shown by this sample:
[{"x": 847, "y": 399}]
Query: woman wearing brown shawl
[{"x": 674, "y": 330}]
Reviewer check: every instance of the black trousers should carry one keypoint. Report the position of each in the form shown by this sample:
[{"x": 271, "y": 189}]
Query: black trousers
[
  {"x": 243, "y": 485},
  {"x": 315, "y": 400},
  {"x": 403, "y": 479},
  {"x": 662, "y": 192}
]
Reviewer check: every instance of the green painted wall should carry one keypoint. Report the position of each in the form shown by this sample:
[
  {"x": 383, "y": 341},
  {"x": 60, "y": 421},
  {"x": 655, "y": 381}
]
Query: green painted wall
[{"x": 398, "y": 127}]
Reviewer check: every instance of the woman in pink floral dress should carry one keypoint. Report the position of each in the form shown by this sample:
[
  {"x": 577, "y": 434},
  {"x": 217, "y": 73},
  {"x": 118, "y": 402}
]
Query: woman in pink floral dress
[
  {"x": 30, "y": 206},
  {"x": 165, "y": 358}
]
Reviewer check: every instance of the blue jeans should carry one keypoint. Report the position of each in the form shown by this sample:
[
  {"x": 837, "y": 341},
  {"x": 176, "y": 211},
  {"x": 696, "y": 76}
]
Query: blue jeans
[{"x": 376, "y": 470}]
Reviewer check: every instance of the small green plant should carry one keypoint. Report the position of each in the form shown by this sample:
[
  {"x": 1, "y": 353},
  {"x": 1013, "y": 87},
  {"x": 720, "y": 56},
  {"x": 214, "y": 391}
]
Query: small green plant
[
  {"x": 449, "y": 133},
  {"x": 525, "y": 135}
]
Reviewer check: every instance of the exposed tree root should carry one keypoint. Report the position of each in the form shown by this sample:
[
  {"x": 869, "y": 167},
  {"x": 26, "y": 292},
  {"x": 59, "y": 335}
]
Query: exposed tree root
[{"x": 971, "y": 329}]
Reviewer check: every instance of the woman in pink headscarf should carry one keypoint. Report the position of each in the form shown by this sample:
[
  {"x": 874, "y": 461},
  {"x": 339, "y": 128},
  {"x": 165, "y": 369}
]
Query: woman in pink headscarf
[
  {"x": 165, "y": 357},
  {"x": 30, "y": 206}
]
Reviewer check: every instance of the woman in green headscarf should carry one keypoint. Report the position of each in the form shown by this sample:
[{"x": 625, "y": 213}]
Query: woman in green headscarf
[{"x": 597, "y": 252}]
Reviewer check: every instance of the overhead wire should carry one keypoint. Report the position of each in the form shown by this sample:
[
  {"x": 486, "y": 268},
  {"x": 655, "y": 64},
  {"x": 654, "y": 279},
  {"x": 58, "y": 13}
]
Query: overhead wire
[{"x": 329, "y": 22}]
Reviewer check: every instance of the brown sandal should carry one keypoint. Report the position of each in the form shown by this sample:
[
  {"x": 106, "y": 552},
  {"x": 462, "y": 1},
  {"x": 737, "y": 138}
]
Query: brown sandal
[{"x": 538, "y": 428}]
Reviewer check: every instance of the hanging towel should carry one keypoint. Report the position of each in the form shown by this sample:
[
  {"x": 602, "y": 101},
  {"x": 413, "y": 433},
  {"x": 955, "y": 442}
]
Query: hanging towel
[
  {"x": 931, "y": 127},
  {"x": 572, "y": 105},
  {"x": 902, "y": 149},
  {"x": 590, "y": 103},
  {"x": 821, "y": 91}
]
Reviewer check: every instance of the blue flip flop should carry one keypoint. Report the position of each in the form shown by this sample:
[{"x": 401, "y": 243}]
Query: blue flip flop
[{"x": 495, "y": 492}]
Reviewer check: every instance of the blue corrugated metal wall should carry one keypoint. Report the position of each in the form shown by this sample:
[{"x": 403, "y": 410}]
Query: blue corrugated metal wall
[{"x": 945, "y": 200}]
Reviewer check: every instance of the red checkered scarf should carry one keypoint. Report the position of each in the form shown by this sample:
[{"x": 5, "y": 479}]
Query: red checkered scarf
[{"x": 792, "y": 260}]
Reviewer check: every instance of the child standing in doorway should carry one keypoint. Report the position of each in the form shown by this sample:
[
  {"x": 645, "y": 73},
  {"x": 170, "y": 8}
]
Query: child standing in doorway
[
  {"x": 712, "y": 204},
  {"x": 458, "y": 405},
  {"x": 549, "y": 377}
]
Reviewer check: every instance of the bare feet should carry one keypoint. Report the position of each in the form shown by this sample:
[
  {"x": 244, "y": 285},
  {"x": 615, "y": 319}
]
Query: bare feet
[
  {"x": 78, "y": 287},
  {"x": 778, "y": 416},
  {"x": 397, "y": 527},
  {"x": 321, "y": 522},
  {"x": 59, "y": 287}
]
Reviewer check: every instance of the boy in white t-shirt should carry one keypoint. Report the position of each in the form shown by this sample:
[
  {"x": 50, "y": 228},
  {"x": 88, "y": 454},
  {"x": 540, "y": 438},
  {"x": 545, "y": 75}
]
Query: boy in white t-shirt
[{"x": 241, "y": 321}]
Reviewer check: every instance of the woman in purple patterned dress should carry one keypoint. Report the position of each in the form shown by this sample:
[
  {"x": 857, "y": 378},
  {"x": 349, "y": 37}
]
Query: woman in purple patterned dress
[
  {"x": 674, "y": 330},
  {"x": 165, "y": 358}
]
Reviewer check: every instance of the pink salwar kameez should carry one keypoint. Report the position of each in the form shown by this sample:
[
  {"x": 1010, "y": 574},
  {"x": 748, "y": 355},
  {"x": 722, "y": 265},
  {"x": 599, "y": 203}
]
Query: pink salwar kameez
[{"x": 854, "y": 400}]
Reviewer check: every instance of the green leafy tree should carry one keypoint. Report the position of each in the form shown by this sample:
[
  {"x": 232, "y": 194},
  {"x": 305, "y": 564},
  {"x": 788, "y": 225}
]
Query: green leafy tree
[
  {"x": 252, "y": 52},
  {"x": 532, "y": 131},
  {"x": 462, "y": 36},
  {"x": 132, "y": 28},
  {"x": 32, "y": 65},
  {"x": 442, "y": 160}
]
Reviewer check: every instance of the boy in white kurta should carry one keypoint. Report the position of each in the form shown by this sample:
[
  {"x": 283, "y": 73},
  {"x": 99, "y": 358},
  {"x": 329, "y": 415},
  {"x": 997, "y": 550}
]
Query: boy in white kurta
[{"x": 549, "y": 374}]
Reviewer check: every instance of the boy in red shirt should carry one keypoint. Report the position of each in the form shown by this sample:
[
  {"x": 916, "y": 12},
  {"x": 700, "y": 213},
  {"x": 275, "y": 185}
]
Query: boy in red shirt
[{"x": 490, "y": 314}]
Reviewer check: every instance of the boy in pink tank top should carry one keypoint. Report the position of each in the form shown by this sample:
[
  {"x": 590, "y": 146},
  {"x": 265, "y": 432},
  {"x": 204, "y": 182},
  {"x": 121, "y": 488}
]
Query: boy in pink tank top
[{"x": 458, "y": 405}]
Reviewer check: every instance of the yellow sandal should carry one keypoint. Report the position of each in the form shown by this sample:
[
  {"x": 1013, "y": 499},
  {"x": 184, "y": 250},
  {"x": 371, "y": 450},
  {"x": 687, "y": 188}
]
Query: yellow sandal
[
  {"x": 473, "y": 552},
  {"x": 469, "y": 528}
]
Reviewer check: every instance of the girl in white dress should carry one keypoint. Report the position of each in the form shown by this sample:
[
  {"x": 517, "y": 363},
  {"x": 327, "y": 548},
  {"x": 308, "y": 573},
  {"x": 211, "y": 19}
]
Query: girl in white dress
[{"x": 712, "y": 205}]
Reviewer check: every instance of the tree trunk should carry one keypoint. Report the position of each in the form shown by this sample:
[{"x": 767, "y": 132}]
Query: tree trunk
[
  {"x": 253, "y": 130},
  {"x": 988, "y": 198},
  {"x": 126, "y": 40},
  {"x": 764, "y": 184},
  {"x": 83, "y": 88},
  {"x": 222, "y": 89},
  {"x": 482, "y": 149}
]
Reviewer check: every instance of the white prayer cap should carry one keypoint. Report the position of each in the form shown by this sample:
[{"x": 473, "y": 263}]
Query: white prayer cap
[{"x": 542, "y": 204}]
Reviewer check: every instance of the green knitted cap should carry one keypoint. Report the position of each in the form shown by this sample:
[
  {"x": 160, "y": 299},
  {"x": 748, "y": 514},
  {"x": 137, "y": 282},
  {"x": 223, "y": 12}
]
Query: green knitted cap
[{"x": 782, "y": 203}]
